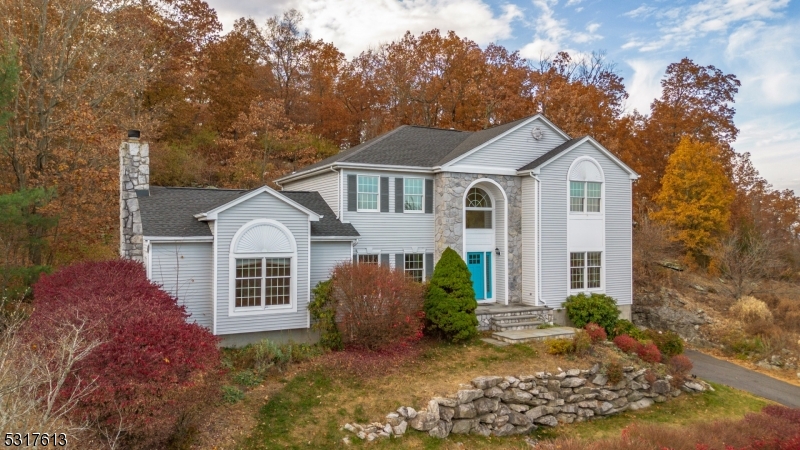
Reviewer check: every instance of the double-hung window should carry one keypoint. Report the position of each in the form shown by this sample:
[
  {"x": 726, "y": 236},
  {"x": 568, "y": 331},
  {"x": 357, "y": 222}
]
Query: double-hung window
[
  {"x": 584, "y": 196},
  {"x": 368, "y": 193},
  {"x": 368, "y": 259},
  {"x": 413, "y": 191},
  {"x": 584, "y": 270},
  {"x": 263, "y": 282},
  {"x": 414, "y": 266}
]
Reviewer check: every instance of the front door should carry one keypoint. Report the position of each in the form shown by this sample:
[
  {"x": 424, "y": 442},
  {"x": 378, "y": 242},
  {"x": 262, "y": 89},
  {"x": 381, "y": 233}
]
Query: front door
[{"x": 480, "y": 267}]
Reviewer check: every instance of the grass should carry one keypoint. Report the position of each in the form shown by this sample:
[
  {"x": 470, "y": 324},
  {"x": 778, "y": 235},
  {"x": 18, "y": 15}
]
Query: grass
[{"x": 309, "y": 411}]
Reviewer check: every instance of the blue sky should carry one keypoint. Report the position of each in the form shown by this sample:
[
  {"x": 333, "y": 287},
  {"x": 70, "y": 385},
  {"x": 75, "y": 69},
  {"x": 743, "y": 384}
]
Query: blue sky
[{"x": 757, "y": 40}]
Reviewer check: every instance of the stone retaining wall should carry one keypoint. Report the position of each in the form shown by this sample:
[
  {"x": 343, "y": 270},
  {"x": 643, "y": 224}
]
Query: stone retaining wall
[{"x": 503, "y": 406}]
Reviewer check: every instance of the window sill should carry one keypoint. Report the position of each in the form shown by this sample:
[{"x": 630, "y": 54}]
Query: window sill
[
  {"x": 368, "y": 210},
  {"x": 259, "y": 311}
]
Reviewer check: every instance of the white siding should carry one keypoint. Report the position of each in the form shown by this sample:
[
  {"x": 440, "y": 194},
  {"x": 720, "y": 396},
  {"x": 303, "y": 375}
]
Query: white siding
[
  {"x": 529, "y": 240},
  {"x": 185, "y": 270},
  {"x": 326, "y": 183},
  {"x": 500, "y": 279},
  {"x": 324, "y": 256},
  {"x": 263, "y": 206},
  {"x": 390, "y": 232},
  {"x": 617, "y": 259},
  {"x": 513, "y": 150}
]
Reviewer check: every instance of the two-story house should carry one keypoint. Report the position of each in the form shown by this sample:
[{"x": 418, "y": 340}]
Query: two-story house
[{"x": 536, "y": 215}]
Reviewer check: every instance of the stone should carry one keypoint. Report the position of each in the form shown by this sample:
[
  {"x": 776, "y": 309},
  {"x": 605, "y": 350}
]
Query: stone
[
  {"x": 512, "y": 381},
  {"x": 586, "y": 390},
  {"x": 566, "y": 418},
  {"x": 525, "y": 386},
  {"x": 463, "y": 426},
  {"x": 394, "y": 419},
  {"x": 640, "y": 404},
  {"x": 424, "y": 421},
  {"x": 485, "y": 405},
  {"x": 346, "y": 440},
  {"x": 661, "y": 387},
  {"x": 573, "y": 382},
  {"x": 407, "y": 412},
  {"x": 400, "y": 429},
  {"x": 519, "y": 408},
  {"x": 635, "y": 396},
  {"x": 443, "y": 401},
  {"x": 361, "y": 435},
  {"x": 503, "y": 410},
  {"x": 433, "y": 408},
  {"x": 588, "y": 404},
  {"x": 541, "y": 375},
  {"x": 504, "y": 385},
  {"x": 524, "y": 429},
  {"x": 585, "y": 413},
  {"x": 465, "y": 411},
  {"x": 594, "y": 369},
  {"x": 549, "y": 421},
  {"x": 694, "y": 386},
  {"x": 553, "y": 385},
  {"x": 560, "y": 376},
  {"x": 482, "y": 430},
  {"x": 505, "y": 430},
  {"x": 620, "y": 402},
  {"x": 527, "y": 378},
  {"x": 576, "y": 398},
  {"x": 493, "y": 392},
  {"x": 488, "y": 418},
  {"x": 499, "y": 421},
  {"x": 446, "y": 413},
  {"x": 660, "y": 399},
  {"x": 441, "y": 430},
  {"x": 515, "y": 395},
  {"x": 468, "y": 395},
  {"x": 600, "y": 380},
  {"x": 515, "y": 418},
  {"x": 569, "y": 409},
  {"x": 604, "y": 408},
  {"x": 636, "y": 386},
  {"x": 573, "y": 372},
  {"x": 371, "y": 437},
  {"x": 607, "y": 395},
  {"x": 387, "y": 429},
  {"x": 486, "y": 382}
]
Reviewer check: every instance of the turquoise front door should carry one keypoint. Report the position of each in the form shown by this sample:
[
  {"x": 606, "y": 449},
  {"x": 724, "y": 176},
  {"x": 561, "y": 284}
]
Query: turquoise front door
[{"x": 475, "y": 264}]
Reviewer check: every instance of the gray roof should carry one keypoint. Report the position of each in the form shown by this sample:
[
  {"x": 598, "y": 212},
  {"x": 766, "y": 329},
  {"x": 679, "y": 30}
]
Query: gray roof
[
  {"x": 170, "y": 211},
  {"x": 415, "y": 146},
  {"x": 551, "y": 154}
]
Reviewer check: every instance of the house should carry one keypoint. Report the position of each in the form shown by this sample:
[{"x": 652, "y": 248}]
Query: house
[{"x": 536, "y": 214}]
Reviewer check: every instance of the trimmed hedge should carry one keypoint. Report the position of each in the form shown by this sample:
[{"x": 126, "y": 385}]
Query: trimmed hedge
[
  {"x": 450, "y": 302},
  {"x": 598, "y": 308}
]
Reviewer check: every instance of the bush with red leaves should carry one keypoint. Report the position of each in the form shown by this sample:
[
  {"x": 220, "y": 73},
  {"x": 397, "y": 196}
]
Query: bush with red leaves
[
  {"x": 649, "y": 353},
  {"x": 627, "y": 344},
  {"x": 596, "y": 332},
  {"x": 151, "y": 372},
  {"x": 376, "y": 307},
  {"x": 680, "y": 366}
]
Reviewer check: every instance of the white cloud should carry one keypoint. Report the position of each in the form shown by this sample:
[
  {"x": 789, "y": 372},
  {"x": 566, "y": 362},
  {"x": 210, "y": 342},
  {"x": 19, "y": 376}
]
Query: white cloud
[
  {"x": 645, "y": 84},
  {"x": 642, "y": 11},
  {"x": 552, "y": 35},
  {"x": 772, "y": 141},
  {"x": 355, "y": 26}
]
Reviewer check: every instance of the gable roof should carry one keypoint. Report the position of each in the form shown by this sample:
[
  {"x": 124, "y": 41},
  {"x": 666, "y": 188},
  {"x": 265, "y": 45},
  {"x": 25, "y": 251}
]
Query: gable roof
[
  {"x": 171, "y": 211},
  {"x": 571, "y": 144},
  {"x": 551, "y": 154}
]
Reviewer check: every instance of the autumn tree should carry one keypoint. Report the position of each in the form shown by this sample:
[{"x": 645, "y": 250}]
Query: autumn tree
[{"x": 695, "y": 197}]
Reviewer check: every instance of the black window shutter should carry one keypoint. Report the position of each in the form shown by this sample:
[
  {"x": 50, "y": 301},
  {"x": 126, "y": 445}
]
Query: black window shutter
[
  {"x": 355, "y": 258},
  {"x": 384, "y": 194},
  {"x": 399, "y": 261},
  {"x": 352, "y": 193},
  {"x": 398, "y": 195},
  {"x": 428, "y": 265},
  {"x": 428, "y": 196},
  {"x": 385, "y": 259}
]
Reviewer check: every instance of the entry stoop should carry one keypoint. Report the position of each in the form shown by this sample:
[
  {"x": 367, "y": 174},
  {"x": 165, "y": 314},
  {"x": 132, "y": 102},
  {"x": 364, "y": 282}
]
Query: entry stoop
[
  {"x": 495, "y": 317},
  {"x": 520, "y": 336}
]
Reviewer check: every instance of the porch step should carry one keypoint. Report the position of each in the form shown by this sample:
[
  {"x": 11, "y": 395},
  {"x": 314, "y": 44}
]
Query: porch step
[
  {"x": 520, "y": 336},
  {"x": 509, "y": 310},
  {"x": 518, "y": 322}
]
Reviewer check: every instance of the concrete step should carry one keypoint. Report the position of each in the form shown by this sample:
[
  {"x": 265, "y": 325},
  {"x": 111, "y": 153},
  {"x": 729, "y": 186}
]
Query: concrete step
[
  {"x": 507, "y": 320},
  {"x": 510, "y": 310},
  {"x": 520, "y": 336},
  {"x": 523, "y": 325}
]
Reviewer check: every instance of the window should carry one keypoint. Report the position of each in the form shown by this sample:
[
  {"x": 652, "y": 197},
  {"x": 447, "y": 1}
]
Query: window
[
  {"x": 584, "y": 196},
  {"x": 368, "y": 193},
  {"x": 263, "y": 282},
  {"x": 584, "y": 270},
  {"x": 478, "y": 209},
  {"x": 368, "y": 259},
  {"x": 413, "y": 190},
  {"x": 414, "y": 266}
]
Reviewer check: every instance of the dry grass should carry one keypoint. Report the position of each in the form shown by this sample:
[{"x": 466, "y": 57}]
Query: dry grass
[{"x": 749, "y": 309}]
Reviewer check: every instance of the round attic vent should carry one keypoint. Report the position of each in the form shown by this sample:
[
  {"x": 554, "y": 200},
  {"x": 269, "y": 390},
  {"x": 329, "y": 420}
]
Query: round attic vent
[{"x": 537, "y": 133}]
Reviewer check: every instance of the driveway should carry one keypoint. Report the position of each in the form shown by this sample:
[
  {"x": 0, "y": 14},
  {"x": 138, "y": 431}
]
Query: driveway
[{"x": 723, "y": 372}]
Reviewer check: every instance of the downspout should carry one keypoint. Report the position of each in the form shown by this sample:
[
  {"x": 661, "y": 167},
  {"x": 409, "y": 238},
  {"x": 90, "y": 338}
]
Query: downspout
[
  {"x": 339, "y": 191},
  {"x": 538, "y": 239}
]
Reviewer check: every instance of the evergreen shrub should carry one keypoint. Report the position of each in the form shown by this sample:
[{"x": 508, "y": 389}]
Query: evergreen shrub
[
  {"x": 598, "y": 308},
  {"x": 668, "y": 342},
  {"x": 450, "y": 302},
  {"x": 323, "y": 316},
  {"x": 625, "y": 326}
]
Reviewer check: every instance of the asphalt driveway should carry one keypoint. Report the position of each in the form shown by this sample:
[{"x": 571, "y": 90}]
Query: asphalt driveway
[{"x": 723, "y": 372}]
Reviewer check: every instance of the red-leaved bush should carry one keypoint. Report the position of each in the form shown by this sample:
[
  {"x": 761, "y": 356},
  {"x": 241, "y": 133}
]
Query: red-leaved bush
[
  {"x": 649, "y": 353},
  {"x": 376, "y": 307},
  {"x": 596, "y": 332},
  {"x": 152, "y": 371},
  {"x": 679, "y": 367},
  {"x": 626, "y": 343}
]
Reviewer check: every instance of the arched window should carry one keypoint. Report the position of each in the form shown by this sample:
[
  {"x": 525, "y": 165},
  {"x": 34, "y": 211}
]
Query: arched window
[
  {"x": 585, "y": 187},
  {"x": 478, "y": 207},
  {"x": 263, "y": 265}
]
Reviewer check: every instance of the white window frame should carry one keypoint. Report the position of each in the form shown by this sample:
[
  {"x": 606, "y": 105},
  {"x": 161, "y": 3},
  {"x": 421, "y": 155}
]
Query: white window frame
[
  {"x": 490, "y": 209},
  {"x": 406, "y": 271},
  {"x": 365, "y": 256},
  {"x": 421, "y": 196},
  {"x": 585, "y": 271},
  {"x": 376, "y": 194},
  {"x": 585, "y": 198},
  {"x": 263, "y": 309}
]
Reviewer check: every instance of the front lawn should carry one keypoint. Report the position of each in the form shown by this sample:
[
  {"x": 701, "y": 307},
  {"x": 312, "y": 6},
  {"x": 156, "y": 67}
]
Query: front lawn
[{"x": 313, "y": 405}]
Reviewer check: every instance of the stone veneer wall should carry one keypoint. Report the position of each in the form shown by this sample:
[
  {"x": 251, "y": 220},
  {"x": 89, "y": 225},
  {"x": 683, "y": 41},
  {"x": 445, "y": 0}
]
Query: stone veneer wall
[
  {"x": 134, "y": 175},
  {"x": 503, "y": 406},
  {"x": 449, "y": 226}
]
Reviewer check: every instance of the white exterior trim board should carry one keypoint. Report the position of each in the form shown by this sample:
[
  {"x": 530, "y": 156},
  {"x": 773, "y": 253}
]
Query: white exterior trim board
[
  {"x": 212, "y": 215},
  {"x": 611, "y": 156}
]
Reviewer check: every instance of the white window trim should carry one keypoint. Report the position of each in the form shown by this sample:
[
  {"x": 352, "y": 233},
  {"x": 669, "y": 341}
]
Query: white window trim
[
  {"x": 376, "y": 255},
  {"x": 586, "y": 289},
  {"x": 585, "y": 213},
  {"x": 477, "y": 208},
  {"x": 377, "y": 194},
  {"x": 233, "y": 256},
  {"x": 423, "y": 263},
  {"x": 421, "y": 210}
]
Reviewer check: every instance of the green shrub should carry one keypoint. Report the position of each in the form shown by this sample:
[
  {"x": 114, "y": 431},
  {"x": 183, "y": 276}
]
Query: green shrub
[
  {"x": 247, "y": 378},
  {"x": 323, "y": 316},
  {"x": 615, "y": 372},
  {"x": 558, "y": 346},
  {"x": 232, "y": 394},
  {"x": 262, "y": 355},
  {"x": 668, "y": 342},
  {"x": 450, "y": 302},
  {"x": 598, "y": 308},
  {"x": 625, "y": 326}
]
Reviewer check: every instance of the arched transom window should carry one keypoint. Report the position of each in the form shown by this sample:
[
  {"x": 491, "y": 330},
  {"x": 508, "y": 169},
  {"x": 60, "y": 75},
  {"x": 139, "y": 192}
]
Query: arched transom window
[
  {"x": 585, "y": 187},
  {"x": 263, "y": 262},
  {"x": 478, "y": 207}
]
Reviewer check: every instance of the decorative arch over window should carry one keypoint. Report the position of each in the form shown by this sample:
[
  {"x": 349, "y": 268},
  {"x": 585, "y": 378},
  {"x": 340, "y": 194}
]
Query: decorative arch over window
[
  {"x": 478, "y": 205},
  {"x": 477, "y": 198},
  {"x": 585, "y": 186},
  {"x": 263, "y": 266}
]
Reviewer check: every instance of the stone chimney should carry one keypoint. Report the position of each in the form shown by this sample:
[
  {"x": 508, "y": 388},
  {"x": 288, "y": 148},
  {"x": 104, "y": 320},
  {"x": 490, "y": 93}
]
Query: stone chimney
[{"x": 134, "y": 182}]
